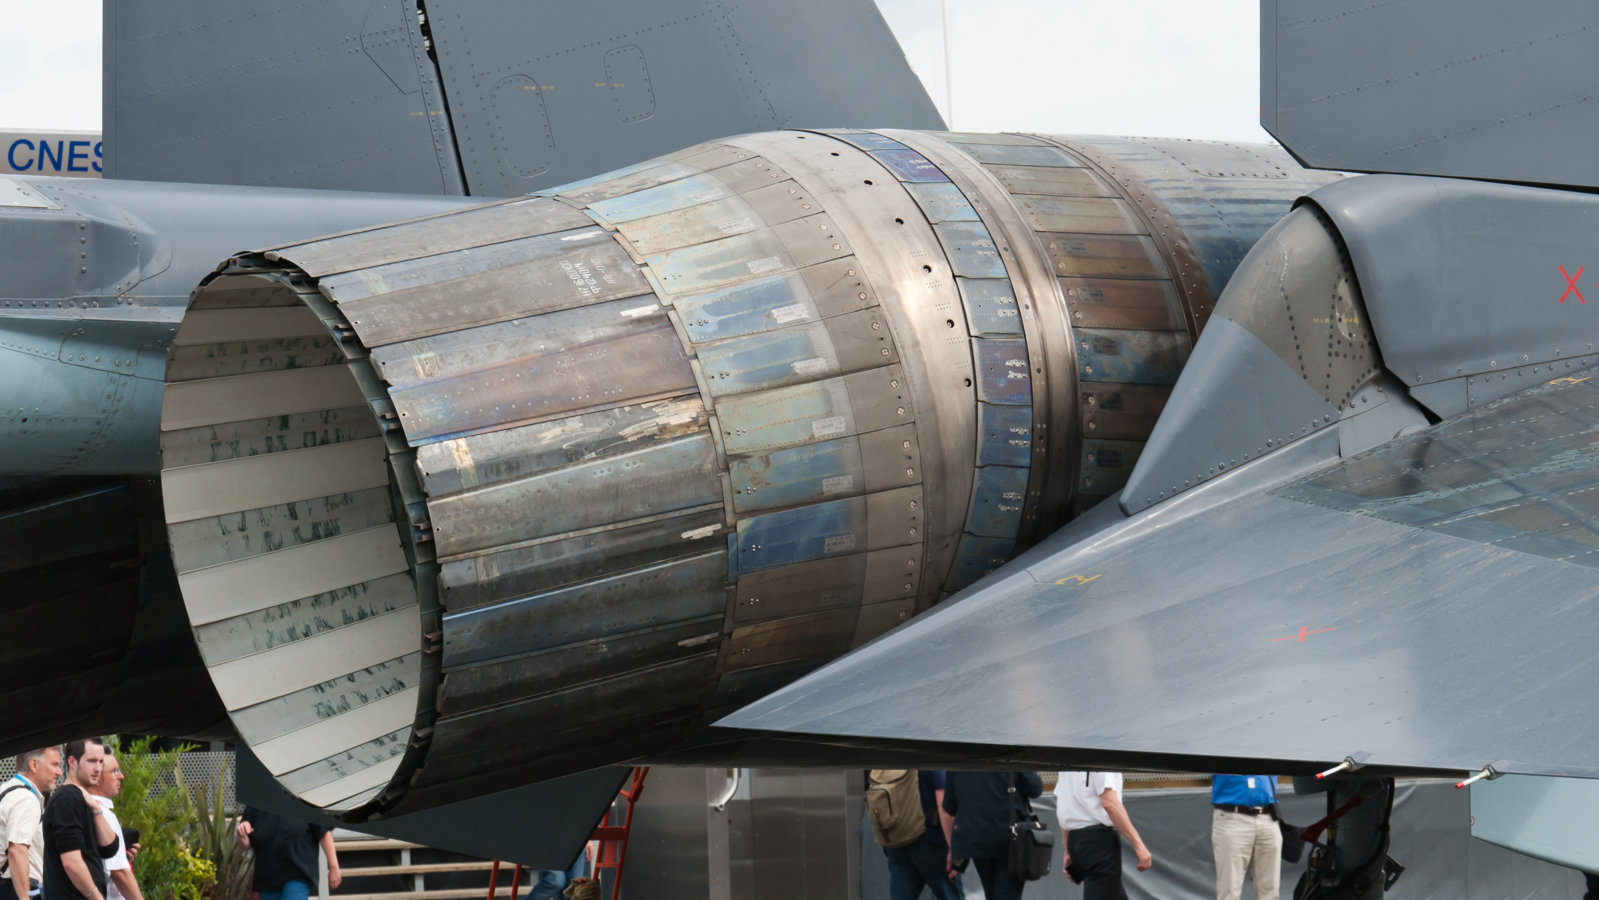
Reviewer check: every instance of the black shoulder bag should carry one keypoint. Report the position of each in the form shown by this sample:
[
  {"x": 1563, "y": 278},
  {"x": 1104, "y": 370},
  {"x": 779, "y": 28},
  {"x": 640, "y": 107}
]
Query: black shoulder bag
[{"x": 1031, "y": 841}]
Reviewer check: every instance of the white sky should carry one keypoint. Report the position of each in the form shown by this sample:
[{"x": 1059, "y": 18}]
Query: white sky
[{"x": 1168, "y": 68}]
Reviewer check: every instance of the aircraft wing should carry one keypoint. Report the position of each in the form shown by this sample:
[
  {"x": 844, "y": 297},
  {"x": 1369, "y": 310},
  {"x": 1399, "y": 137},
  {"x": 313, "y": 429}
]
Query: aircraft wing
[
  {"x": 1363, "y": 527},
  {"x": 487, "y": 97},
  {"x": 1425, "y": 605}
]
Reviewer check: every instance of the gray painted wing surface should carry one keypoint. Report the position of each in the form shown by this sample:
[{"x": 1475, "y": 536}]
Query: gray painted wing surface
[
  {"x": 1476, "y": 89},
  {"x": 1427, "y": 605}
]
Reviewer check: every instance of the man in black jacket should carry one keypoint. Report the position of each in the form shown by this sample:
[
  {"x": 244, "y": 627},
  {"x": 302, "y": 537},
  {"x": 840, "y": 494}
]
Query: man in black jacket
[
  {"x": 77, "y": 837},
  {"x": 984, "y": 804}
]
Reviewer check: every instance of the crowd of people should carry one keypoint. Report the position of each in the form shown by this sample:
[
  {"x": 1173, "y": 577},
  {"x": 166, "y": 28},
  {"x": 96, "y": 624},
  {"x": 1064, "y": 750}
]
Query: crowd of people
[
  {"x": 970, "y": 819},
  {"x": 63, "y": 840},
  {"x": 62, "y": 837}
]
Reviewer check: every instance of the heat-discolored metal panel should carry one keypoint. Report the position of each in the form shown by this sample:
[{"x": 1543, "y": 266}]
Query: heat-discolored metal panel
[
  {"x": 521, "y": 570},
  {"x": 971, "y": 249},
  {"x": 836, "y": 528},
  {"x": 1015, "y": 154},
  {"x": 545, "y": 385},
  {"x": 246, "y": 585},
  {"x": 774, "y": 359},
  {"x": 817, "y": 411},
  {"x": 508, "y": 680},
  {"x": 1107, "y": 464},
  {"x": 1122, "y": 411},
  {"x": 1131, "y": 357},
  {"x": 1004, "y": 435},
  {"x": 432, "y": 236},
  {"x": 677, "y": 195},
  {"x": 307, "y": 706},
  {"x": 800, "y": 588},
  {"x": 628, "y": 180},
  {"x": 942, "y": 202},
  {"x": 1104, "y": 255},
  {"x": 812, "y": 240},
  {"x": 1123, "y": 303},
  {"x": 670, "y": 476},
  {"x": 748, "y": 308},
  {"x": 821, "y": 634},
  {"x": 457, "y": 353},
  {"x": 796, "y": 475},
  {"x": 694, "y": 225},
  {"x": 1003, "y": 375},
  {"x": 491, "y": 457},
  {"x": 998, "y": 493},
  {"x": 1051, "y": 181},
  {"x": 690, "y": 588},
  {"x": 720, "y": 263},
  {"x": 1091, "y": 215},
  {"x": 991, "y": 308},
  {"x": 553, "y": 275},
  {"x": 976, "y": 557},
  {"x": 910, "y": 166}
]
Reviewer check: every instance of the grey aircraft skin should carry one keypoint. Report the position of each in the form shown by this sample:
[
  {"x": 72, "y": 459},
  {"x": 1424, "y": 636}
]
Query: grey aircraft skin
[{"x": 480, "y": 495}]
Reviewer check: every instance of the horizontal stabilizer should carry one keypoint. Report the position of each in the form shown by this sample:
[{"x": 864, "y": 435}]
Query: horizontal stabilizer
[{"x": 1423, "y": 606}]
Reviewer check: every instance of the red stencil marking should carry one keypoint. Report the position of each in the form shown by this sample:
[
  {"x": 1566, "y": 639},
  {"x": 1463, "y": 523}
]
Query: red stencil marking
[
  {"x": 1303, "y": 633},
  {"x": 1571, "y": 284}
]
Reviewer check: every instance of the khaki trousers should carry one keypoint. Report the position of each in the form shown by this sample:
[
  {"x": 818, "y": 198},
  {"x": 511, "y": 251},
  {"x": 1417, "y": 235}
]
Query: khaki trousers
[{"x": 1244, "y": 842}]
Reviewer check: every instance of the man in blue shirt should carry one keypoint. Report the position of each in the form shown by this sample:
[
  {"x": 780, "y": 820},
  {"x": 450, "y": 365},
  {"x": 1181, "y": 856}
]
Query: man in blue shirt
[
  {"x": 927, "y": 861},
  {"x": 1244, "y": 835}
]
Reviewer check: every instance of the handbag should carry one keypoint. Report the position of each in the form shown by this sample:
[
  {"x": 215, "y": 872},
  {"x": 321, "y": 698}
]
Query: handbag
[
  {"x": 1031, "y": 841},
  {"x": 1293, "y": 843}
]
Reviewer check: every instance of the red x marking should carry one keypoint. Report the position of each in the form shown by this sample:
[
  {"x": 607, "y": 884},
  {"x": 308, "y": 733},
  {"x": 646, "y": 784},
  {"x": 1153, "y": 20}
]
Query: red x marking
[
  {"x": 1571, "y": 285},
  {"x": 1303, "y": 633}
]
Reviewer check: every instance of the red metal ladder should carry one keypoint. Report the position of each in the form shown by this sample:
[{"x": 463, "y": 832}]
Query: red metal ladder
[{"x": 613, "y": 838}]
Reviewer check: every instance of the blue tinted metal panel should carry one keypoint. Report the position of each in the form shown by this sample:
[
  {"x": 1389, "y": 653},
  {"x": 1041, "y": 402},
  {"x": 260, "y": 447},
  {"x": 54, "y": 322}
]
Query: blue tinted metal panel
[
  {"x": 971, "y": 249},
  {"x": 942, "y": 202},
  {"x": 990, "y": 306},
  {"x": 796, "y": 535},
  {"x": 665, "y": 198},
  {"x": 1004, "y": 435},
  {"x": 1020, "y": 156},
  {"x": 1003, "y": 375},
  {"x": 678, "y": 590},
  {"x": 808, "y": 474},
  {"x": 786, "y": 416},
  {"x": 976, "y": 557},
  {"x": 908, "y": 165},
  {"x": 754, "y": 306},
  {"x": 997, "y": 496},
  {"x": 719, "y": 263},
  {"x": 866, "y": 140},
  {"x": 769, "y": 360},
  {"x": 1105, "y": 465},
  {"x": 1130, "y": 357}
]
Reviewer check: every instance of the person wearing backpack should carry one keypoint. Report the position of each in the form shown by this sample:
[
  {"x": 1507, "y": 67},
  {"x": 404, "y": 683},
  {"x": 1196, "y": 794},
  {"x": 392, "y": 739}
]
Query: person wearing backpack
[
  {"x": 21, "y": 806},
  {"x": 983, "y": 804},
  {"x": 905, "y": 807}
]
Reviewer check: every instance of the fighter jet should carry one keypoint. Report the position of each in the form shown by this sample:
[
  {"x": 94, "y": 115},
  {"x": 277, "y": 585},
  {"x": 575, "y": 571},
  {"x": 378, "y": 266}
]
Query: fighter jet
[{"x": 426, "y": 496}]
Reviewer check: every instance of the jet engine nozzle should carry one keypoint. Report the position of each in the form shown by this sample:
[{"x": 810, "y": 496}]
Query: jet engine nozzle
[{"x": 519, "y": 490}]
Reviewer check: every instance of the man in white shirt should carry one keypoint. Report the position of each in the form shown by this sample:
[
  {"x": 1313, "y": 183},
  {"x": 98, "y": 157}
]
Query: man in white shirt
[
  {"x": 118, "y": 869},
  {"x": 21, "y": 805},
  {"x": 1091, "y": 814}
]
